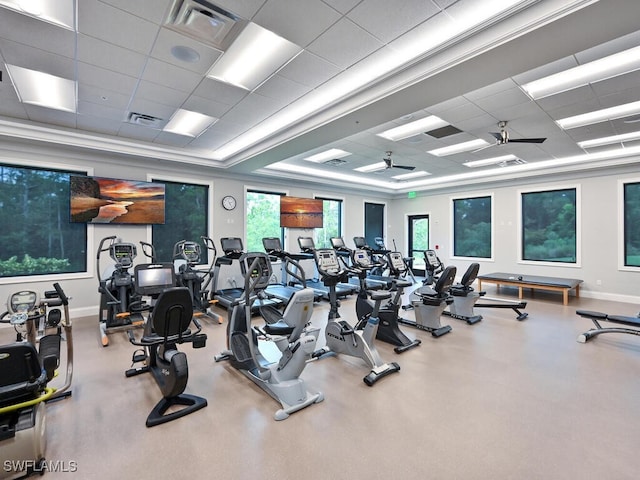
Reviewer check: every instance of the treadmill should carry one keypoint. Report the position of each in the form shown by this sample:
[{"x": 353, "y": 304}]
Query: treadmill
[
  {"x": 290, "y": 266},
  {"x": 307, "y": 248},
  {"x": 361, "y": 243},
  {"x": 373, "y": 282},
  {"x": 227, "y": 297}
]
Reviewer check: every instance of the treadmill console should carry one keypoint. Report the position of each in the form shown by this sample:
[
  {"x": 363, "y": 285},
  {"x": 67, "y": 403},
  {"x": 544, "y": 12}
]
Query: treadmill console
[
  {"x": 232, "y": 247},
  {"x": 153, "y": 278},
  {"x": 360, "y": 242},
  {"x": 306, "y": 244},
  {"x": 272, "y": 245}
]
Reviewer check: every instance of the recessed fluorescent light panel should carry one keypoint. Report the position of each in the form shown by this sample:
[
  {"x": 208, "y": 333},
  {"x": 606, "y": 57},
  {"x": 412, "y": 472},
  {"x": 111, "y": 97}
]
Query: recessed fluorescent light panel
[
  {"x": 57, "y": 12},
  {"x": 598, "y": 116},
  {"x": 192, "y": 124},
  {"x": 327, "y": 155},
  {"x": 407, "y": 176},
  {"x": 490, "y": 161},
  {"x": 371, "y": 168},
  {"x": 253, "y": 58},
  {"x": 42, "y": 89},
  {"x": 592, "y": 72},
  {"x": 459, "y": 148},
  {"x": 596, "y": 142},
  {"x": 413, "y": 128}
]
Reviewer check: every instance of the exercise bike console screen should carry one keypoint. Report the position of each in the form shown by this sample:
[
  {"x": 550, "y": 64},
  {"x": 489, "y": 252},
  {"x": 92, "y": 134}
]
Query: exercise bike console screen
[
  {"x": 153, "y": 279},
  {"x": 361, "y": 259},
  {"x": 20, "y": 304},
  {"x": 327, "y": 261},
  {"x": 261, "y": 272},
  {"x": 397, "y": 261},
  {"x": 432, "y": 258}
]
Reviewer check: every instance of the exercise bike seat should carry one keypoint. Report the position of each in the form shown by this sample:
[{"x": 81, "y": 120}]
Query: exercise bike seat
[
  {"x": 379, "y": 295},
  {"x": 279, "y": 328},
  {"x": 463, "y": 288},
  {"x": 399, "y": 282},
  {"x": 22, "y": 377}
]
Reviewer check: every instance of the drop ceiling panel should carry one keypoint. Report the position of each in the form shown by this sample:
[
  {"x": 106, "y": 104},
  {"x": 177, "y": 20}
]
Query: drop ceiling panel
[
  {"x": 156, "y": 93},
  {"x": 252, "y": 109},
  {"x": 170, "y": 76},
  {"x": 107, "y": 79},
  {"x": 50, "y": 116},
  {"x": 99, "y": 125},
  {"x": 152, "y": 10},
  {"x": 344, "y": 44},
  {"x": 309, "y": 69},
  {"x": 205, "y": 106},
  {"x": 243, "y": 8},
  {"x": 36, "y": 59},
  {"x": 109, "y": 56},
  {"x": 172, "y": 139},
  {"x": 149, "y": 107},
  {"x": 299, "y": 22},
  {"x": 137, "y": 132},
  {"x": 343, "y": 6},
  {"x": 96, "y": 110},
  {"x": 387, "y": 21},
  {"x": 100, "y": 20},
  {"x": 35, "y": 33},
  {"x": 624, "y": 83},
  {"x": 220, "y": 92},
  {"x": 283, "y": 89}
]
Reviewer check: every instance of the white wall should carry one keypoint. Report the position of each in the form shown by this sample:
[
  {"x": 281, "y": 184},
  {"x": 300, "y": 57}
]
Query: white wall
[{"x": 599, "y": 235}]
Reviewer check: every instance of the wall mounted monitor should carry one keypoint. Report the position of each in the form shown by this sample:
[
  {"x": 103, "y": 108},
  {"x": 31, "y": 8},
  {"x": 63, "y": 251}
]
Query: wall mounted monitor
[{"x": 298, "y": 212}]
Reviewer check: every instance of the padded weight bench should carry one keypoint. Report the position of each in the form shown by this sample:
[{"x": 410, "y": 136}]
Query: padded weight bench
[
  {"x": 597, "y": 317},
  {"x": 533, "y": 282}
]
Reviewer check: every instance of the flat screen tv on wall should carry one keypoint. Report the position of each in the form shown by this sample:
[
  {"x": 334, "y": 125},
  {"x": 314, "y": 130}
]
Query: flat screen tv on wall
[
  {"x": 300, "y": 212},
  {"x": 115, "y": 201}
]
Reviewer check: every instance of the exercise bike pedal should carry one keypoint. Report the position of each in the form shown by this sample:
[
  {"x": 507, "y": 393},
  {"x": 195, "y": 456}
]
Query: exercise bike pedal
[
  {"x": 138, "y": 356},
  {"x": 200, "y": 340}
]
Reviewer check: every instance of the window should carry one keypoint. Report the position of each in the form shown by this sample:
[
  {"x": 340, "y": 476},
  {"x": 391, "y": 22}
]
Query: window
[
  {"x": 472, "y": 227},
  {"x": 186, "y": 218},
  {"x": 373, "y": 222},
  {"x": 263, "y": 219},
  {"x": 549, "y": 226},
  {"x": 37, "y": 237},
  {"x": 631, "y": 207},
  {"x": 331, "y": 222}
]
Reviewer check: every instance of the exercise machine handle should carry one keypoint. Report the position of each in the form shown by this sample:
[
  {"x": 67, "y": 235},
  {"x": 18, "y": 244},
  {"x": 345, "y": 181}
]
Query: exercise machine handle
[{"x": 61, "y": 294}]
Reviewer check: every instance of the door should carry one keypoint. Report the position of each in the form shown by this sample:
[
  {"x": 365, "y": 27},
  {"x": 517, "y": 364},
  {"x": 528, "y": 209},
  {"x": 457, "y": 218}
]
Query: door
[
  {"x": 418, "y": 241},
  {"x": 373, "y": 222}
]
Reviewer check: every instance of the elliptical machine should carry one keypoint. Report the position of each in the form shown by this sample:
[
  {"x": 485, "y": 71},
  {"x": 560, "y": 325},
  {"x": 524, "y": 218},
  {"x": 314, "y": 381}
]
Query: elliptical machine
[
  {"x": 25, "y": 373},
  {"x": 388, "y": 330},
  {"x": 290, "y": 331},
  {"x": 340, "y": 336},
  {"x": 167, "y": 326},
  {"x": 117, "y": 289},
  {"x": 186, "y": 256}
]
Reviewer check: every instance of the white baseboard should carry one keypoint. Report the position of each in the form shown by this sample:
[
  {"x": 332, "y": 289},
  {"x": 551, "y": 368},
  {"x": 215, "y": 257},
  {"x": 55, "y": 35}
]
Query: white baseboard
[{"x": 612, "y": 297}]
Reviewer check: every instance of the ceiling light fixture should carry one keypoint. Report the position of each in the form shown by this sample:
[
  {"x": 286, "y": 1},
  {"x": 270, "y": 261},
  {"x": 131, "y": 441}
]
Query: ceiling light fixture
[
  {"x": 490, "y": 161},
  {"x": 407, "y": 176},
  {"x": 592, "y": 72},
  {"x": 459, "y": 148},
  {"x": 413, "y": 128},
  {"x": 371, "y": 168},
  {"x": 59, "y": 12},
  {"x": 327, "y": 155},
  {"x": 598, "y": 116},
  {"x": 192, "y": 124},
  {"x": 42, "y": 89},
  {"x": 596, "y": 142},
  {"x": 253, "y": 58}
]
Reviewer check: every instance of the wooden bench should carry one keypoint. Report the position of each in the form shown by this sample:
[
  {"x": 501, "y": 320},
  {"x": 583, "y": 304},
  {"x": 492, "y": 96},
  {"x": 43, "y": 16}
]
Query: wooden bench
[{"x": 533, "y": 282}]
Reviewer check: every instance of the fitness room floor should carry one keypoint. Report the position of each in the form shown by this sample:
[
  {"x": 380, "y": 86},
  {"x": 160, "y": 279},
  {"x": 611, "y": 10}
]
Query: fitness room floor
[{"x": 500, "y": 399}]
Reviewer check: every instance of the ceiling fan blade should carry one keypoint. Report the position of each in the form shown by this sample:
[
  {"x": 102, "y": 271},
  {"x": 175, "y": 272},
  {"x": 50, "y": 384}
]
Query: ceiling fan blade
[
  {"x": 526, "y": 140},
  {"x": 403, "y": 167},
  {"x": 486, "y": 146}
]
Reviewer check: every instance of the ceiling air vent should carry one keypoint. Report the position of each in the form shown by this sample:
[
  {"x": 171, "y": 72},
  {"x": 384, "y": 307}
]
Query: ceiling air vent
[
  {"x": 335, "y": 161},
  {"x": 144, "y": 120},
  {"x": 204, "y": 21},
  {"x": 508, "y": 163}
]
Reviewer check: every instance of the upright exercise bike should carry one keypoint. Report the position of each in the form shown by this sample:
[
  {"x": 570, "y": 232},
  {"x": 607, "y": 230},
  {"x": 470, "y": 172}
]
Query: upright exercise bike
[
  {"x": 341, "y": 337},
  {"x": 25, "y": 376},
  {"x": 290, "y": 331},
  {"x": 117, "y": 289},
  {"x": 388, "y": 330},
  {"x": 168, "y": 325}
]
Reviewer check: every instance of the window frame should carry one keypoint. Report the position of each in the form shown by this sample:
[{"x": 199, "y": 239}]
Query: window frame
[
  {"x": 152, "y": 177},
  {"x": 621, "y": 226},
  {"x": 552, "y": 188},
  {"x": 341, "y": 219},
  {"x": 452, "y": 201},
  {"x": 253, "y": 189},
  {"x": 90, "y": 246}
]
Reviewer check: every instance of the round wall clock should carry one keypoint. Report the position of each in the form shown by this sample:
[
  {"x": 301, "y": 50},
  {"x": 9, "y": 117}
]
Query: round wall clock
[{"x": 229, "y": 202}]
